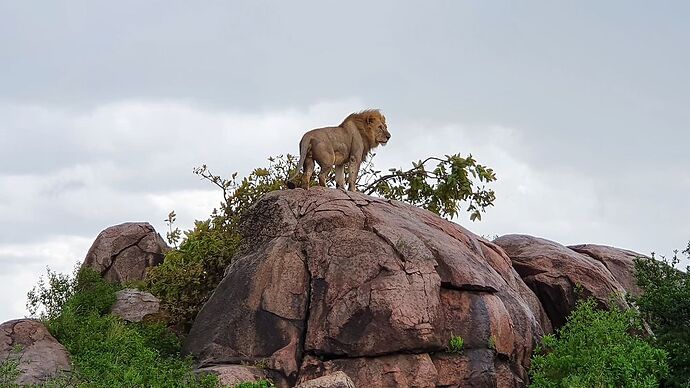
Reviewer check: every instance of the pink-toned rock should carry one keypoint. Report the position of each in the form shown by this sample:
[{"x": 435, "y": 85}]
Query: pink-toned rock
[
  {"x": 231, "y": 375},
  {"x": 620, "y": 262},
  {"x": 401, "y": 370},
  {"x": 123, "y": 252},
  {"x": 475, "y": 368},
  {"x": 135, "y": 306},
  {"x": 40, "y": 356},
  {"x": 368, "y": 284},
  {"x": 258, "y": 311},
  {"x": 336, "y": 380},
  {"x": 552, "y": 271}
]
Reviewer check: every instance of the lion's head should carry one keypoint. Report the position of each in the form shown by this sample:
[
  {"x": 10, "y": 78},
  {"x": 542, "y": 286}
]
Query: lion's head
[
  {"x": 376, "y": 125},
  {"x": 372, "y": 125}
]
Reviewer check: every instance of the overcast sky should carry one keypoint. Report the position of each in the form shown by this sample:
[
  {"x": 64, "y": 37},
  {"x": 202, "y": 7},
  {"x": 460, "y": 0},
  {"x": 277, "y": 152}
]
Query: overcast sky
[{"x": 582, "y": 109}]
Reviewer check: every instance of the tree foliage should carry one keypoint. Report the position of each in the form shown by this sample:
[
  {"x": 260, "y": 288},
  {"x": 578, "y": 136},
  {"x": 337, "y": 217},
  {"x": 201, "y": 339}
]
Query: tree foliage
[
  {"x": 665, "y": 306},
  {"x": 595, "y": 348},
  {"x": 439, "y": 189}
]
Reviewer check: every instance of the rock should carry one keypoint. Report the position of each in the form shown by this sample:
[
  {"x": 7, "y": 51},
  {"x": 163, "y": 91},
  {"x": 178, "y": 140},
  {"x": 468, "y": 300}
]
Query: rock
[
  {"x": 122, "y": 253},
  {"x": 400, "y": 370},
  {"x": 231, "y": 375},
  {"x": 620, "y": 262},
  {"x": 135, "y": 306},
  {"x": 475, "y": 368},
  {"x": 336, "y": 380},
  {"x": 40, "y": 356},
  {"x": 552, "y": 270},
  {"x": 369, "y": 285}
]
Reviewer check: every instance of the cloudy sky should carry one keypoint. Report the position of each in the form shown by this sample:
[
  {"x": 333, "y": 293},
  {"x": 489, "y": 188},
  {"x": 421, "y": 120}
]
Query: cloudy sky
[{"x": 106, "y": 106}]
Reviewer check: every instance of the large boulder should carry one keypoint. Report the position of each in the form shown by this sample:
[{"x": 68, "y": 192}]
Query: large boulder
[
  {"x": 122, "y": 253},
  {"x": 135, "y": 306},
  {"x": 331, "y": 281},
  {"x": 554, "y": 272},
  {"x": 39, "y": 355}
]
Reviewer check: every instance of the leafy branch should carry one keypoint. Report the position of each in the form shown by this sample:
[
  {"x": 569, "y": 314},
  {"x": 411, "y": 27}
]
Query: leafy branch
[{"x": 439, "y": 189}]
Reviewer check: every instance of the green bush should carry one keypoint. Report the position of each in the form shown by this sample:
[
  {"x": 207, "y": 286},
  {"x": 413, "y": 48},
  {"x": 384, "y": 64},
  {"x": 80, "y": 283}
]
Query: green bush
[
  {"x": 455, "y": 344},
  {"x": 9, "y": 370},
  {"x": 189, "y": 274},
  {"x": 595, "y": 349},
  {"x": 665, "y": 306},
  {"x": 46, "y": 299},
  {"x": 108, "y": 352}
]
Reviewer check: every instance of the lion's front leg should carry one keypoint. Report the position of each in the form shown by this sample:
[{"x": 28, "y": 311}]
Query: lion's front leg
[
  {"x": 323, "y": 174},
  {"x": 353, "y": 171},
  {"x": 340, "y": 176}
]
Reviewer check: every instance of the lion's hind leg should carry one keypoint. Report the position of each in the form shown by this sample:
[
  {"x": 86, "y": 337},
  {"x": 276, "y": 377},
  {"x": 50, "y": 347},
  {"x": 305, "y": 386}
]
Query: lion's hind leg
[
  {"x": 323, "y": 174},
  {"x": 308, "y": 172}
]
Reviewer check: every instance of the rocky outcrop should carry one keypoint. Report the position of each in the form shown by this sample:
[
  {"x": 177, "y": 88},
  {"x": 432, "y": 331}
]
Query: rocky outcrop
[
  {"x": 332, "y": 281},
  {"x": 135, "y": 306},
  {"x": 620, "y": 262},
  {"x": 122, "y": 253},
  {"x": 39, "y": 355},
  {"x": 552, "y": 271}
]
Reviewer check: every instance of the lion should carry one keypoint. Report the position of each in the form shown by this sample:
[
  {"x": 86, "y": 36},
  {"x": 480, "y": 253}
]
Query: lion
[{"x": 348, "y": 143}]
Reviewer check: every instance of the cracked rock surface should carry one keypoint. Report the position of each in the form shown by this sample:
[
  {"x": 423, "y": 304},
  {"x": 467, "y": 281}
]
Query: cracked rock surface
[
  {"x": 331, "y": 281},
  {"x": 123, "y": 252},
  {"x": 40, "y": 356}
]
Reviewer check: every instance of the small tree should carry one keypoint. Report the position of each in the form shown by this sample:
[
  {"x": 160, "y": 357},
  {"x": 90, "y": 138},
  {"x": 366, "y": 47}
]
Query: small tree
[{"x": 665, "y": 306}]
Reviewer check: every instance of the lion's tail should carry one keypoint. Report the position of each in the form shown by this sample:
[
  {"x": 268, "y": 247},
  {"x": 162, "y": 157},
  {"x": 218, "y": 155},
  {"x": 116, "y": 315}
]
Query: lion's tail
[{"x": 304, "y": 147}]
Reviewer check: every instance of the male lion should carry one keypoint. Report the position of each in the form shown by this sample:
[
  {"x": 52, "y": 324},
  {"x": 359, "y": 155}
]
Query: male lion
[{"x": 350, "y": 142}]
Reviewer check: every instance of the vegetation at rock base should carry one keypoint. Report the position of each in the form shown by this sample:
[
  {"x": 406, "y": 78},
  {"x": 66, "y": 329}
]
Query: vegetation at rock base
[
  {"x": 106, "y": 351},
  {"x": 595, "y": 348},
  {"x": 665, "y": 306},
  {"x": 455, "y": 344},
  {"x": 9, "y": 369},
  {"x": 191, "y": 272},
  {"x": 256, "y": 384}
]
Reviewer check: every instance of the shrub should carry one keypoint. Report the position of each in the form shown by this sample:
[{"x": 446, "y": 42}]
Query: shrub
[
  {"x": 665, "y": 306},
  {"x": 455, "y": 344},
  {"x": 108, "y": 352},
  {"x": 9, "y": 370},
  {"x": 189, "y": 274},
  {"x": 46, "y": 299},
  {"x": 595, "y": 349}
]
